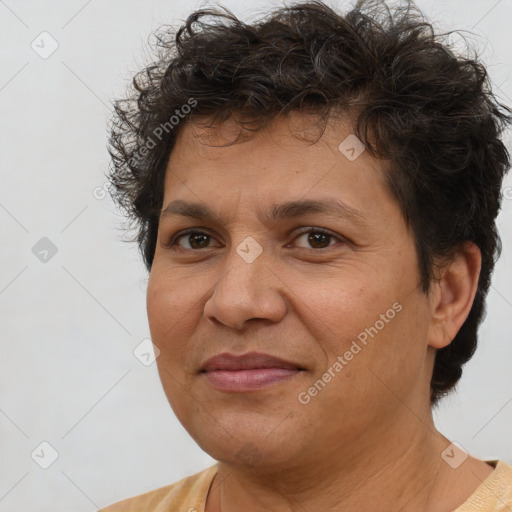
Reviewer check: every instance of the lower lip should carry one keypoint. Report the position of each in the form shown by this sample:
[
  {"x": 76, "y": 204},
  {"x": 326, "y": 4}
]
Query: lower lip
[{"x": 248, "y": 380}]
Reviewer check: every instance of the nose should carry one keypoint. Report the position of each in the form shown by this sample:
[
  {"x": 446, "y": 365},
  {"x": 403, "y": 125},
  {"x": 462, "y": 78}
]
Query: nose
[{"x": 245, "y": 292}]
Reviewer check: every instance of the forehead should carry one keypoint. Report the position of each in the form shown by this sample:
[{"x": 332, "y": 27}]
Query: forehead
[
  {"x": 288, "y": 161},
  {"x": 295, "y": 131}
]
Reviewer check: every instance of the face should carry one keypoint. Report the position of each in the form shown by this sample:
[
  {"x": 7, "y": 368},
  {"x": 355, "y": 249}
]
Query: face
[{"x": 324, "y": 301}]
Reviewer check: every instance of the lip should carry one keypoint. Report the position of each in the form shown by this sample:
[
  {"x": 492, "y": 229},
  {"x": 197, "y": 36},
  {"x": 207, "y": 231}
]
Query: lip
[
  {"x": 248, "y": 372},
  {"x": 248, "y": 361}
]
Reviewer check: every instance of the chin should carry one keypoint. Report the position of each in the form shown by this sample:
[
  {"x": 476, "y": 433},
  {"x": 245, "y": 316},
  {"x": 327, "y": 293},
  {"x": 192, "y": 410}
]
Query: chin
[{"x": 249, "y": 440}]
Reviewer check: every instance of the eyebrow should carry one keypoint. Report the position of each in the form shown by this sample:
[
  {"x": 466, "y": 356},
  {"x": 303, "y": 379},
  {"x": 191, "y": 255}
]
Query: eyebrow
[{"x": 277, "y": 212}]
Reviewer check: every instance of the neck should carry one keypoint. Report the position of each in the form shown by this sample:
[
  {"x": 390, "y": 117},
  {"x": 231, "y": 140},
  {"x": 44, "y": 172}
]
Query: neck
[{"x": 402, "y": 471}]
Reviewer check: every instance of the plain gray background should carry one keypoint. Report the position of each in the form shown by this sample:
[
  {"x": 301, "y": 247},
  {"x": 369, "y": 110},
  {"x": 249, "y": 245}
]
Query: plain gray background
[{"x": 70, "y": 324}]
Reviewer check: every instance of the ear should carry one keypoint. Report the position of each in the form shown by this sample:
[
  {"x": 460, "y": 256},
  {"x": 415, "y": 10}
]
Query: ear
[{"x": 452, "y": 295}]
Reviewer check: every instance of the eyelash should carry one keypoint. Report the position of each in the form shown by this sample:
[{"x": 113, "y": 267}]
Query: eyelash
[{"x": 174, "y": 239}]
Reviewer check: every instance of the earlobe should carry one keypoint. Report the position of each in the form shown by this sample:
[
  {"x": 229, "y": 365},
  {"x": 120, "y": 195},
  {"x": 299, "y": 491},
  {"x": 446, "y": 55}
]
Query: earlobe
[{"x": 453, "y": 293}]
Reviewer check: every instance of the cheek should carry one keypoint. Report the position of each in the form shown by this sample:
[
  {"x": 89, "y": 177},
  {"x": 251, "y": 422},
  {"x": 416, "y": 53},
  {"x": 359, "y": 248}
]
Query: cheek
[
  {"x": 171, "y": 309},
  {"x": 337, "y": 313},
  {"x": 159, "y": 304},
  {"x": 373, "y": 323}
]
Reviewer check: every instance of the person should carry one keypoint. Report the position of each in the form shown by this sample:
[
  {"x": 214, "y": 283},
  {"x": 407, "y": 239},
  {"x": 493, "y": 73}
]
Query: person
[{"x": 314, "y": 196}]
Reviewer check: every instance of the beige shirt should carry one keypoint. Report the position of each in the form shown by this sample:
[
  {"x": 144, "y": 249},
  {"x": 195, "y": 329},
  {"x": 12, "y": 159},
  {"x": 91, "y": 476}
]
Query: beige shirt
[{"x": 189, "y": 495}]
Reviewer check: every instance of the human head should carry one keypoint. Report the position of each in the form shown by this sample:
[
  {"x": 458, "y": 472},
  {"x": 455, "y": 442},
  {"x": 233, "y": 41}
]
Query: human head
[{"x": 424, "y": 110}]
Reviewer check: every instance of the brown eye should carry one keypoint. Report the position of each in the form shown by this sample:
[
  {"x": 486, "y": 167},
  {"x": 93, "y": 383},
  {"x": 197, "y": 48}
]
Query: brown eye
[
  {"x": 317, "y": 239},
  {"x": 198, "y": 240},
  {"x": 191, "y": 240}
]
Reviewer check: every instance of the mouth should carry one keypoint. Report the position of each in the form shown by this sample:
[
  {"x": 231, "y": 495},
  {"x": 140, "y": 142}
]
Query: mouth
[{"x": 248, "y": 372}]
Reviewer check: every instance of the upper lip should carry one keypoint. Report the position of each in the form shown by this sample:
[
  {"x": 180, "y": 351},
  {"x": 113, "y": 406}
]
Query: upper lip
[{"x": 249, "y": 361}]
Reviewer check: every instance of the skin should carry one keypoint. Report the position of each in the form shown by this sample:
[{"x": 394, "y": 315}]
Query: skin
[{"x": 368, "y": 436}]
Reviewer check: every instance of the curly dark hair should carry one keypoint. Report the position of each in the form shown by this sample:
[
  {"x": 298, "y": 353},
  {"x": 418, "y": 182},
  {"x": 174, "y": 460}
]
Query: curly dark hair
[{"x": 413, "y": 101}]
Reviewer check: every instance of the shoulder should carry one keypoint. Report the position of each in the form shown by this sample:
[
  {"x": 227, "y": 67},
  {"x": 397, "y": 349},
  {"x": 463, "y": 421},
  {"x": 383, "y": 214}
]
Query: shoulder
[
  {"x": 188, "y": 494},
  {"x": 495, "y": 492}
]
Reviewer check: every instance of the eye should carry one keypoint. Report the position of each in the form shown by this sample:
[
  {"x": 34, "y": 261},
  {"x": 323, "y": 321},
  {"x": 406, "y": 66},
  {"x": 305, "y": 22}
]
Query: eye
[
  {"x": 194, "y": 239},
  {"x": 317, "y": 238},
  {"x": 191, "y": 239}
]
